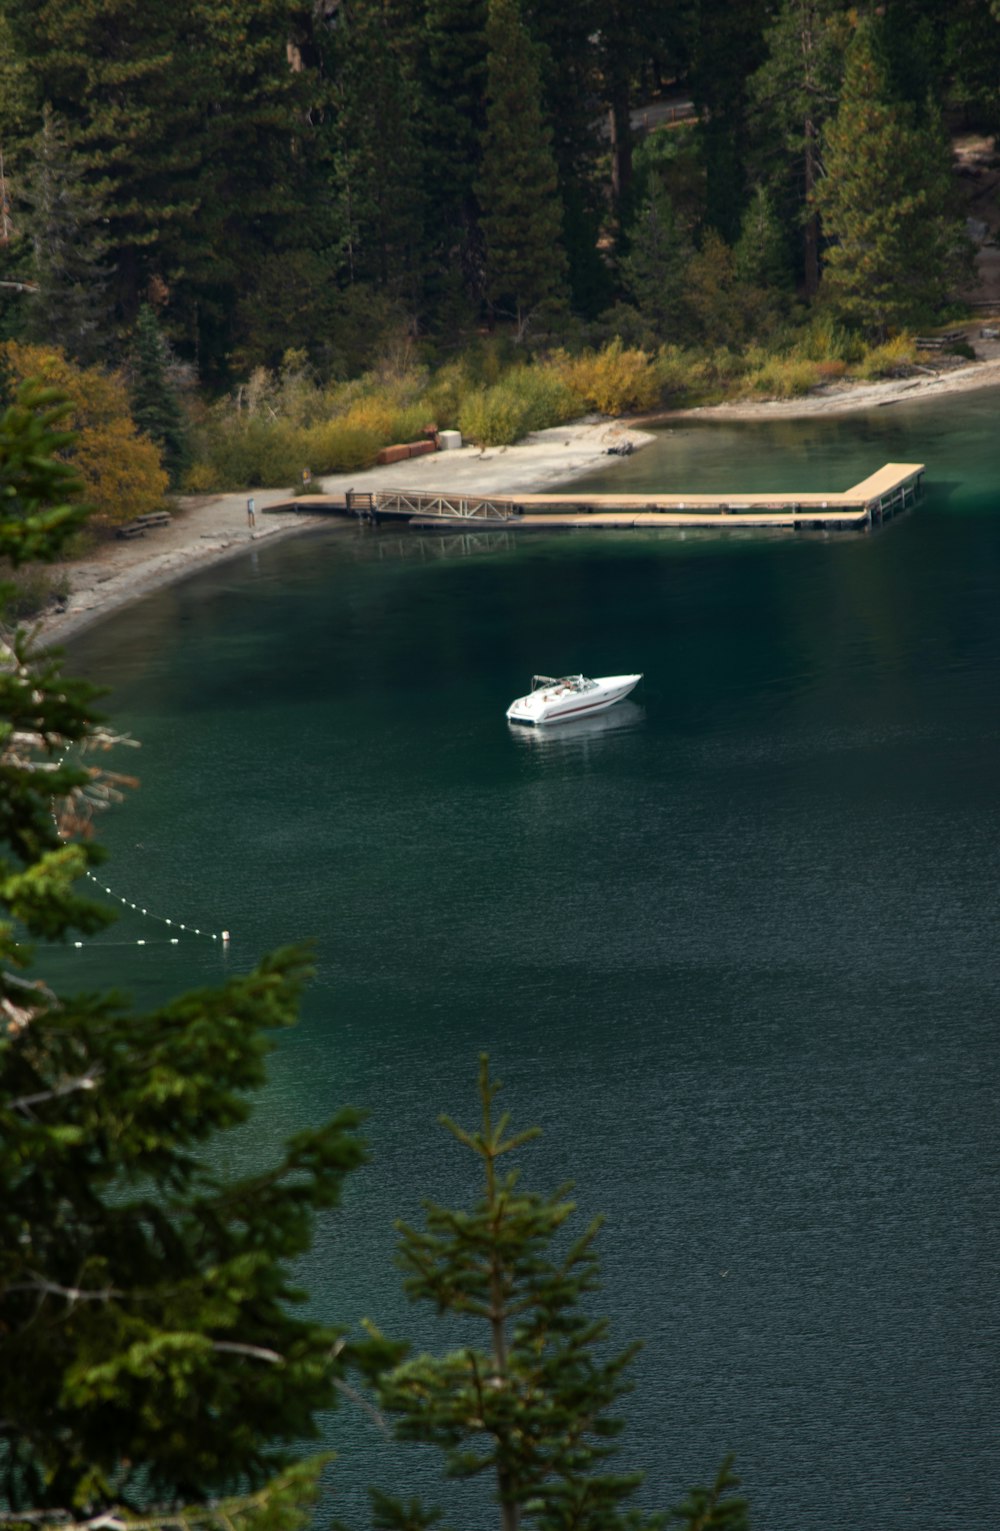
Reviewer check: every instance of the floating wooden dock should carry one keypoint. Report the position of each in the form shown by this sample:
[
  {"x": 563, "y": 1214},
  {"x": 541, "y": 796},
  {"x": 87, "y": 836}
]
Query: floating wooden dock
[{"x": 876, "y": 499}]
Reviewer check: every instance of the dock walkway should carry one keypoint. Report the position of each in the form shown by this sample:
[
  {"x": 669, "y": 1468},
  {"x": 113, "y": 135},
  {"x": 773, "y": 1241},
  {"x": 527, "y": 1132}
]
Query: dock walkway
[{"x": 883, "y": 494}]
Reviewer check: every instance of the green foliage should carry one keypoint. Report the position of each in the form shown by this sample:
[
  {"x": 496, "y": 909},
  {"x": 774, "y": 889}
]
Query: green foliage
[
  {"x": 655, "y": 269},
  {"x": 709, "y": 1509},
  {"x": 526, "y": 399},
  {"x": 39, "y": 490},
  {"x": 760, "y": 256},
  {"x": 522, "y": 217},
  {"x": 150, "y": 1356},
  {"x": 156, "y": 407},
  {"x": 781, "y": 377},
  {"x": 792, "y": 96},
  {"x": 824, "y": 338},
  {"x": 887, "y": 359},
  {"x": 65, "y": 222},
  {"x": 527, "y": 1398},
  {"x": 885, "y": 203}
]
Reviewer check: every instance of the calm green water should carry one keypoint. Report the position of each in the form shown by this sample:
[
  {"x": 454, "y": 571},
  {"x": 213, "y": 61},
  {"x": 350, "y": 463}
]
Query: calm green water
[{"x": 734, "y": 945}]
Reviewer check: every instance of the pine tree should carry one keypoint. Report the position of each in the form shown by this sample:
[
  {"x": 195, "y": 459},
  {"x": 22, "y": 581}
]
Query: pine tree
[
  {"x": 522, "y": 221},
  {"x": 654, "y": 271},
  {"x": 156, "y": 408},
  {"x": 793, "y": 94},
  {"x": 527, "y": 1402},
  {"x": 571, "y": 83},
  {"x": 886, "y": 202},
  {"x": 726, "y": 48},
  {"x": 150, "y": 1360},
  {"x": 452, "y": 88},
  {"x": 65, "y": 225},
  {"x": 760, "y": 253},
  {"x": 378, "y": 165}
]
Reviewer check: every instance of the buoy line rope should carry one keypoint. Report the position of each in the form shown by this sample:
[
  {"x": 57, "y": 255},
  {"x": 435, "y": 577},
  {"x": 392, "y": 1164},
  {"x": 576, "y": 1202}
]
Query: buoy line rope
[
  {"x": 210, "y": 935},
  {"x": 192, "y": 930}
]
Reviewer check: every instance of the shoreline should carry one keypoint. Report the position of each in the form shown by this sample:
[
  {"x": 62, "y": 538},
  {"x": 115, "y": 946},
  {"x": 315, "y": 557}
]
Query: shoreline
[{"x": 209, "y": 529}]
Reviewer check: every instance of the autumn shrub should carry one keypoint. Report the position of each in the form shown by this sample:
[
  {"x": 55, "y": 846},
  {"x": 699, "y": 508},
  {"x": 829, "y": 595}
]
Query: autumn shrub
[
  {"x": 782, "y": 377},
  {"x": 340, "y": 446},
  {"x": 445, "y": 392},
  {"x": 526, "y": 399},
  {"x": 491, "y": 417},
  {"x": 830, "y": 371},
  {"x": 673, "y": 370},
  {"x": 120, "y": 468},
  {"x": 613, "y": 380},
  {"x": 883, "y": 360},
  {"x": 246, "y": 454},
  {"x": 386, "y": 418},
  {"x": 712, "y": 373},
  {"x": 825, "y": 339}
]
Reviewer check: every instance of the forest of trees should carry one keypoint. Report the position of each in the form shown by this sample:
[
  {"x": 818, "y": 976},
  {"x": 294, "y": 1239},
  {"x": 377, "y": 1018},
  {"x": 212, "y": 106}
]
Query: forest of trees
[{"x": 324, "y": 176}]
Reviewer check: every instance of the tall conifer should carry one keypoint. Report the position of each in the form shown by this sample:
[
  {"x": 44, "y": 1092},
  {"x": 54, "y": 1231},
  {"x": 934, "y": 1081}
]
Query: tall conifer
[
  {"x": 522, "y": 217},
  {"x": 526, "y": 1397},
  {"x": 655, "y": 267},
  {"x": 156, "y": 408},
  {"x": 886, "y": 202},
  {"x": 65, "y": 225},
  {"x": 793, "y": 94}
]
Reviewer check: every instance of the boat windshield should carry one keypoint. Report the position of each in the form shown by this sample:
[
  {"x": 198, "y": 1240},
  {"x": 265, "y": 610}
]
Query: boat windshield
[{"x": 571, "y": 682}]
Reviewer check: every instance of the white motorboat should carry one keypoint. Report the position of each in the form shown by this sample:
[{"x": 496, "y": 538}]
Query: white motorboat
[{"x": 567, "y": 698}]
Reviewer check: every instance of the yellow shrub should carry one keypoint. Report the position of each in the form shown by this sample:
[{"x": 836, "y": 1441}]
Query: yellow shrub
[
  {"x": 614, "y": 380},
  {"x": 882, "y": 360},
  {"x": 385, "y": 417},
  {"x": 120, "y": 467},
  {"x": 783, "y": 377},
  {"x": 121, "y": 471},
  {"x": 202, "y": 478}
]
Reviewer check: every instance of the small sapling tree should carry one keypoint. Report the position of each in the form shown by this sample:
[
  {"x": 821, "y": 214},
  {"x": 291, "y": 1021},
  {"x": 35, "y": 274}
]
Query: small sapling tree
[{"x": 528, "y": 1400}]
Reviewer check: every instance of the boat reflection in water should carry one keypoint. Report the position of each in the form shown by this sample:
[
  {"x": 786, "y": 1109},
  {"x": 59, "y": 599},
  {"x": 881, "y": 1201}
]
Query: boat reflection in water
[{"x": 572, "y": 737}]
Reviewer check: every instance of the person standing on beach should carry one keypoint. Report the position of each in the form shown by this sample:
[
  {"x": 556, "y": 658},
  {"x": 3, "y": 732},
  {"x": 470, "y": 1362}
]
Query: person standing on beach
[{"x": 251, "y": 517}]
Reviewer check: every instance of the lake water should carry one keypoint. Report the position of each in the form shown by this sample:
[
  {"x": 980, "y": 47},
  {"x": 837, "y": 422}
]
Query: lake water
[{"x": 734, "y": 946}]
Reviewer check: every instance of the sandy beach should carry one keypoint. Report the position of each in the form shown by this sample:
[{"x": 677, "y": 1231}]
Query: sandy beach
[{"x": 207, "y": 529}]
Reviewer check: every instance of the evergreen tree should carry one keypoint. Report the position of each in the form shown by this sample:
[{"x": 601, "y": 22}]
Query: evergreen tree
[
  {"x": 570, "y": 87},
  {"x": 727, "y": 48},
  {"x": 793, "y": 94},
  {"x": 150, "y": 1362},
  {"x": 378, "y": 166},
  {"x": 522, "y": 222},
  {"x": 886, "y": 202},
  {"x": 452, "y": 88},
  {"x": 654, "y": 271},
  {"x": 156, "y": 408},
  {"x": 65, "y": 225},
  {"x": 529, "y": 1402},
  {"x": 760, "y": 253}
]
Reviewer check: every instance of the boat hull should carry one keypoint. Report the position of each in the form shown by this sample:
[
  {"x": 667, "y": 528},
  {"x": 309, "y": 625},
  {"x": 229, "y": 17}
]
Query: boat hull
[{"x": 567, "y": 701}]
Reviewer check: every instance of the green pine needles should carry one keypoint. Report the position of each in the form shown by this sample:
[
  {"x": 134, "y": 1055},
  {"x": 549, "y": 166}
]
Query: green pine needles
[{"x": 528, "y": 1399}]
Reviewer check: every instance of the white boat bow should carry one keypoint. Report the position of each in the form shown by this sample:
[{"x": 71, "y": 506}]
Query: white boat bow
[{"x": 567, "y": 698}]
